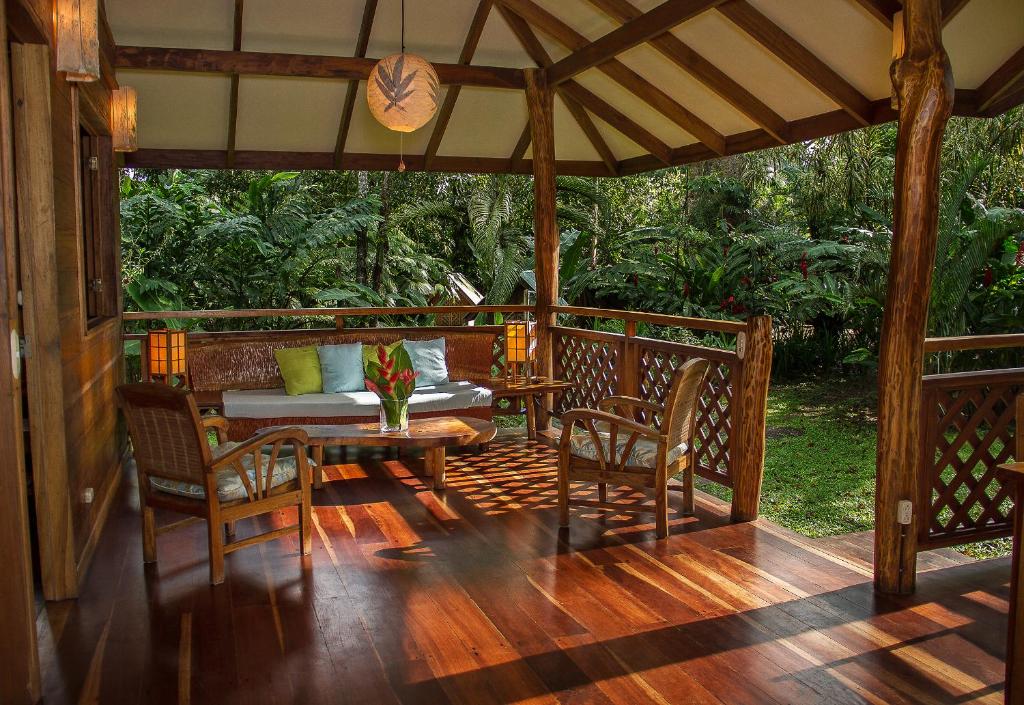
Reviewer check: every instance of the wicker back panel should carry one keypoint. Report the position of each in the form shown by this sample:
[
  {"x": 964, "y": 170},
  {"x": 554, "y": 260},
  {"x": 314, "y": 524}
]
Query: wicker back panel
[
  {"x": 682, "y": 404},
  {"x": 968, "y": 426},
  {"x": 217, "y": 363},
  {"x": 165, "y": 439}
]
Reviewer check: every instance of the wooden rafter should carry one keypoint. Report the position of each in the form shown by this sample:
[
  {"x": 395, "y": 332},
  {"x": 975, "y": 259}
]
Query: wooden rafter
[
  {"x": 516, "y": 160},
  {"x": 633, "y": 33},
  {"x": 236, "y": 44},
  {"x": 539, "y": 55},
  {"x": 258, "y": 63},
  {"x": 476, "y": 28},
  {"x": 1002, "y": 81},
  {"x": 882, "y": 10},
  {"x": 703, "y": 70},
  {"x": 656, "y": 98},
  {"x": 362, "y": 42},
  {"x": 799, "y": 58},
  {"x": 621, "y": 122}
]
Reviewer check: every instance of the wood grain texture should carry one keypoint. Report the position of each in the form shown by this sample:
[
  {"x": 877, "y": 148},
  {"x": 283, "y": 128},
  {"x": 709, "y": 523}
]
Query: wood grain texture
[
  {"x": 477, "y": 598},
  {"x": 362, "y": 42},
  {"x": 30, "y": 70},
  {"x": 236, "y": 45},
  {"x": 540, "y": 103},
  {"x": 254, "y": 63},
  {"x": 750, "y": 417},
  {"x": 20, "y": 676},
  {"x": 1014, "y": 476},
  {"x": 924, "y": 85}
]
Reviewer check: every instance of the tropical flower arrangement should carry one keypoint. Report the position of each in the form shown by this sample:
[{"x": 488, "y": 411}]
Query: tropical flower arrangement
[{"x": 389, "y": 375}]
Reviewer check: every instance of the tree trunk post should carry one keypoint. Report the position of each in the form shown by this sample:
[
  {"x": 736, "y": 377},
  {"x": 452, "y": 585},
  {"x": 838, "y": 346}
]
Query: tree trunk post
[
  {"x": 750, "y": 400},
  {"x": 923, "y": 81},
  {"x": 540, "y": 101}
]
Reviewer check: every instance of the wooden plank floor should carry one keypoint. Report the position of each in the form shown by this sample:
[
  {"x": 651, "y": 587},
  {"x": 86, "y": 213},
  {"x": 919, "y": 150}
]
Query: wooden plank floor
[{"x": 472, "y": 595}]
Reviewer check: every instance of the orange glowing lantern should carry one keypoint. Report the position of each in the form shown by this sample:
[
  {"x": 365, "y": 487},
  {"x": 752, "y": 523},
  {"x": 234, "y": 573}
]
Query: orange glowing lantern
[
  {"x": 166, "y": 350},
  {"x": 520, "y": 348}
]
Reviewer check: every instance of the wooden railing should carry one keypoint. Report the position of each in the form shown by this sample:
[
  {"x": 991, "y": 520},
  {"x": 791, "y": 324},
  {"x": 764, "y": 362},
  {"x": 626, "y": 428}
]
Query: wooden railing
[
  {"x": 731, "y": 424},
  {"x": 967, "y": 429}
]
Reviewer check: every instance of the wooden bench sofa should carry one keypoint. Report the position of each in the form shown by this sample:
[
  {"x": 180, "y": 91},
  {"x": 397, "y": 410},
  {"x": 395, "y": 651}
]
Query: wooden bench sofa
[{"x": 237, "y": 374}]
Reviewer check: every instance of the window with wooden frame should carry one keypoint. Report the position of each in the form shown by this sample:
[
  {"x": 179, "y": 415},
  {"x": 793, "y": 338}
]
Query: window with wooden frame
[{"x": 96, "y": 224}]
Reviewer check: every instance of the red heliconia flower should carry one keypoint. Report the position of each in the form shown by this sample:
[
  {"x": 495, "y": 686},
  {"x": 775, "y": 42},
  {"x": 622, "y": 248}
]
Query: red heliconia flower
[
  {"x": 371, "y": 386},
  {"x": 636, "y": 280},
  {"x": 393, "y": 377},
  {"x": 686, "y": 288},
  {"x": 803, "y": 265},
  {"x": 382, "y": 356},
  {"x": 1019, "y": 261},
  {"x": 745, "y": 280},
  {"x": 739, "y": 308},
  {"x": 987, "y": 281},
  {"x": 386, "y": 388}
]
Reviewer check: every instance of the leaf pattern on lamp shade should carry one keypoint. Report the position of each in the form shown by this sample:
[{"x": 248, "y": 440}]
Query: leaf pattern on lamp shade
[
  {"x": 394, "y": 85},
  {"x": 434, "y": 88}
]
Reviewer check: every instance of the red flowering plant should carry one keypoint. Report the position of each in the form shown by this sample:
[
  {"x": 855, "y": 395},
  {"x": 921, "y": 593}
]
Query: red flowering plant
[{"x": 389, "y": 372}]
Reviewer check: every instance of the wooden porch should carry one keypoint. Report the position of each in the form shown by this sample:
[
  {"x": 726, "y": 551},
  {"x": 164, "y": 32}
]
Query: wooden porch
[{"x": 473, "y": 596}]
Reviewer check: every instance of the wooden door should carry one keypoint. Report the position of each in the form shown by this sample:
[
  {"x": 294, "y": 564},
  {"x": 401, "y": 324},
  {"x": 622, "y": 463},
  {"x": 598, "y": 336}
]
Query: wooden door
[{"x": 19, "y": 677}]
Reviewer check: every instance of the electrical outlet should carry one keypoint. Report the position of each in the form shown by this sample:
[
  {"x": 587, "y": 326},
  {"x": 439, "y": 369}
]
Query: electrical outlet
[
  {"x": 904, "y": 512},
  {"x": 88, "y": 495}
]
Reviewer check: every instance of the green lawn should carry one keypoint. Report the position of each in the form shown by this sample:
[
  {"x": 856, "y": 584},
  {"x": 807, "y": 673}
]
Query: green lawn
[{"x": 819, "y": 475}]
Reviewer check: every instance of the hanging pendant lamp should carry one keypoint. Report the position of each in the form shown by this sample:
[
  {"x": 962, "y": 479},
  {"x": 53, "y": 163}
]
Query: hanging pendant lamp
[{"x": 402, "y": 91}]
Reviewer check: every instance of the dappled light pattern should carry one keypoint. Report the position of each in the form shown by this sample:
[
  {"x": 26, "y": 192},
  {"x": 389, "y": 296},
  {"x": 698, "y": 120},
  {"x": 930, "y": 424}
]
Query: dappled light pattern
[{"x": 474, "y": 595}]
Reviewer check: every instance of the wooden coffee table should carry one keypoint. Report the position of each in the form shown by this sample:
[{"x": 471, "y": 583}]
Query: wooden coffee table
[
  {"x": 532, "y": 390},
  {"x": 432, "y": 435}
]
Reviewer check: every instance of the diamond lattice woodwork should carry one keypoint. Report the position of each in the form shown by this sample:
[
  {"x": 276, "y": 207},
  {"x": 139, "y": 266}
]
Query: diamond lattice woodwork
[
  {"x": 591, "y": 361},
  {"x": 968, "y": 431}
]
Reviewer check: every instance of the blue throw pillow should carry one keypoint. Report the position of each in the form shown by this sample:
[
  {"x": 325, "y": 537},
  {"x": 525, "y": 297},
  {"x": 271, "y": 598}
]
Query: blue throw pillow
[
  {"x": 428, "y": 359},
  {"x": 341, "y": 367}
]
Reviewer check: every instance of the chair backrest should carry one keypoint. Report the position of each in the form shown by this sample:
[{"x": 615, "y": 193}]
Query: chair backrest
[
  {"x": 680, "y": 418},
  {"x": 167, "y": 433},
  {"x": 1019, "y": 432}
]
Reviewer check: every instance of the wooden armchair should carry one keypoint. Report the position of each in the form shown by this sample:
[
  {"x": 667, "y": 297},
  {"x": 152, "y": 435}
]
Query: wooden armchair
[
  {"x": 180, "y": 471},
  {"x": 622, "y": 444}
]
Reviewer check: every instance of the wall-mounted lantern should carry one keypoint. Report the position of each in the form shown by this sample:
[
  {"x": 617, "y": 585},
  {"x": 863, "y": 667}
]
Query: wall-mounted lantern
[{"x": 78, "y": 42}]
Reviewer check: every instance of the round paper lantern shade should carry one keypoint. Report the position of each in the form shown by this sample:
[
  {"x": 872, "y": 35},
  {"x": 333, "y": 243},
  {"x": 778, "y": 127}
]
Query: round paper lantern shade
[{"x": 402, "y": 92}]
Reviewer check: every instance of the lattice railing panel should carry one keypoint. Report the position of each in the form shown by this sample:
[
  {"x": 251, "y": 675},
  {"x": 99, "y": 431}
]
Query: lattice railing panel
[
  {"x": 969, "y": 432},
  {"x": 713, "y": 423},
  {"x": 591, "y": 364}
]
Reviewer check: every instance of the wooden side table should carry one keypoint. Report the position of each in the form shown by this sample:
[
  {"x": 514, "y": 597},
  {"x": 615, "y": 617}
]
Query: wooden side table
[{"x": 532, "y": 390}]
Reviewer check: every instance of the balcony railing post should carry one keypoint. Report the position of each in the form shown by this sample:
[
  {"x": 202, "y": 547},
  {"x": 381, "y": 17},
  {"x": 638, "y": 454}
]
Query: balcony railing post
[
  {"x": 749, "y": 414},
  {"x": 629, "y": 375}
]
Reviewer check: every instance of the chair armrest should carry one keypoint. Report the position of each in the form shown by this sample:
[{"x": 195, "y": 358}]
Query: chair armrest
[
  {"x": 619, "y": 404},
  {"x": 296, "y": 436},
  {"x": 218, "y": 424},
  {"x": 570, "y": 418}
]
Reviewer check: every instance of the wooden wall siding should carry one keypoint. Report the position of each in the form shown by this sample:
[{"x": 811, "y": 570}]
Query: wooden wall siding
[{"x": 967, "y": 431}]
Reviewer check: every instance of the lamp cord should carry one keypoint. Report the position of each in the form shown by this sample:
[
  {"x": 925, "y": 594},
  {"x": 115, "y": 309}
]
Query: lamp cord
[
  {"x": 401, "y": 136},
  {"x": 403, "y": 26}
]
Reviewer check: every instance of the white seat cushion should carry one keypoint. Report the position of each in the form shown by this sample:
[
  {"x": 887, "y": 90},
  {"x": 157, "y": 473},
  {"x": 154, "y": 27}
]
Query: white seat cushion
[
  {"x": 229, "y": 484},
  {"x": 644, "y": 454},
  {"x": 274, "y": 403}
]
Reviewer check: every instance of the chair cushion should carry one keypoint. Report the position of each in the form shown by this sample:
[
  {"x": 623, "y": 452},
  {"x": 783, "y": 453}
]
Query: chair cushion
[
  {"x": 300, "y": 370},
  {"x": 644, "y": 454},
  {"x": 428, "y": 358},
  {"x": 341, "y": 367},
  {"x": 229, "y": 484},
  {"x": 275, "y": 403}
]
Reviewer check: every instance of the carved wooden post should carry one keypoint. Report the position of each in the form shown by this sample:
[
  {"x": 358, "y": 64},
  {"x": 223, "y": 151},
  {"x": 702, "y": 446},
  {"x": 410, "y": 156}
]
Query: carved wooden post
[
  {"x": 540, "y": 101},
  {"x": 923, "y": 81},
  {"x": 1015, "y": 637},
  {"x": 629, "y": 372},
  {"x": 750, "y": 406}
]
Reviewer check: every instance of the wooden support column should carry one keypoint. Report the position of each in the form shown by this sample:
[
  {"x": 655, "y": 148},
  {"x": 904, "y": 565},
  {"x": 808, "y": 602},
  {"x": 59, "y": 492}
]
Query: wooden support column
[
  {"x": 540, "y": 102},
  {"x": 19, "y": 677},
  {"x": 1014, "y": 475},
  {"x": 750, "y": 404},
  {"x": 30, "y": 72},
  {"x": 923, "y": 81}
]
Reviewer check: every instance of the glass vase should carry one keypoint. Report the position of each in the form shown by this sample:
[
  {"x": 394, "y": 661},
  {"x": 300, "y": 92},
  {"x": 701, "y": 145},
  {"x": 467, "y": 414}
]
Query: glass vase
[{"x": 394, "y": 415}]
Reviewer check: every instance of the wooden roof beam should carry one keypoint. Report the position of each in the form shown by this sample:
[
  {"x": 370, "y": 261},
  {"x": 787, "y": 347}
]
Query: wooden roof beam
[
  {"x": 236, "y": 44},
  {"x": 636, "y": 31},
  {"x": 255, "y": 63},
  {"x": 1001, "y": 81},
  {"x": 656, "y": 98},
  {"x": 798, "y": 58},
  {"x": 704, "y": 71},
  {"x": 362, "y": 42},
  {"x": 539, "y": 55},
  {"x": 618, "y": 120},
  {"x": 883, "y": 10},
  {"x": 476, "y": 28},
  {"x": 516, "y": 160}
]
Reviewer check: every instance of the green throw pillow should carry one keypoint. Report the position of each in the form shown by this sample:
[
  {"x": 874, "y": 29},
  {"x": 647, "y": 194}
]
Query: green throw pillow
[{"x": 300, "y": 368}]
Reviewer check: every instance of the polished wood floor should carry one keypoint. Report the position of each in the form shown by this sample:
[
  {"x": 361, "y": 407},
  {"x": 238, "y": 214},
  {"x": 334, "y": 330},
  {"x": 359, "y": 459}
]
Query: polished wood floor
[{"x": 472, "y": 595}]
